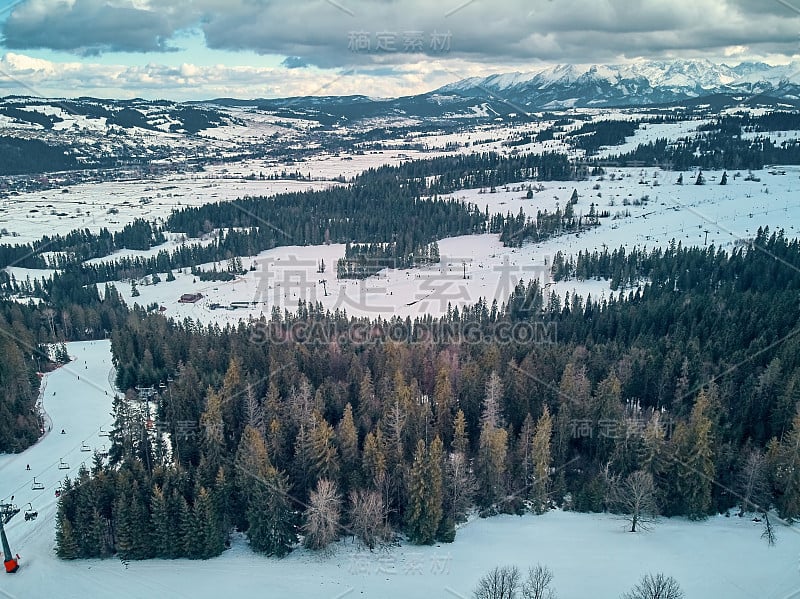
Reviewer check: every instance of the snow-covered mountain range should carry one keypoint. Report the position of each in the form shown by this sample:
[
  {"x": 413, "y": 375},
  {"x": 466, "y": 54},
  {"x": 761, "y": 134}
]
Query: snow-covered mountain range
[{"x": 633, "y": 84}]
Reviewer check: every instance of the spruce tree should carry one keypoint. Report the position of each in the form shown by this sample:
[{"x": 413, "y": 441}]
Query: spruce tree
[
  {"x": 272, "y": 528},
  {"x": 66, "y": 545},
  {"x": 161, "y": 526},
  {"x": 425, "y": 499}
]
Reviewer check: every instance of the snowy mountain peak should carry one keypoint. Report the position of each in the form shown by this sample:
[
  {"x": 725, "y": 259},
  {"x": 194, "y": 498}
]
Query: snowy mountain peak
[{"x": 635, "y": 83}]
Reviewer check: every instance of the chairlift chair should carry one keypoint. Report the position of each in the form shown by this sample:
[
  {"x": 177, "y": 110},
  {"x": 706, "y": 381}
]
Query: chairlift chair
[
  {"x": 102, "y": 433},
  {"x": 30, "y": 514},
  {"x": 37, "y": 486},
  {"x": 85, "y": 447},
  {"x": 62, "y": 465}
]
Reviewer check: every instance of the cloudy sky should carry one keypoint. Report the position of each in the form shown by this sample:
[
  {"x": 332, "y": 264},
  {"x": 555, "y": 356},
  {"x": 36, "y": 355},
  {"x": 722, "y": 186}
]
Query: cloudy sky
[{"x": 196, "y": 49}]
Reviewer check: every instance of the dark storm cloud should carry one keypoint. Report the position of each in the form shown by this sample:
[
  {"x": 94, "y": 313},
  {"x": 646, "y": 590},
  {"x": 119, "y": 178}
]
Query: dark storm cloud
[
  {"x": 336, "y": 33},
  {"x": 88, "y": 27},
  {"x": 294, "y": 62}
]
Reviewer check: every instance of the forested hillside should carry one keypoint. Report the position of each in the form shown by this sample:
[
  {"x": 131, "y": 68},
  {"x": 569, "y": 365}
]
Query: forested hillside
[{"x": 316, "y": 425}]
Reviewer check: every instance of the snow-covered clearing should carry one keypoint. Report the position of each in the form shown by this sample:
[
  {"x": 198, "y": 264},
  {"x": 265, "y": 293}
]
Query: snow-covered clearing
[
  {"x": 726, "y": 214},
  {"x": 722, "y": 557}
]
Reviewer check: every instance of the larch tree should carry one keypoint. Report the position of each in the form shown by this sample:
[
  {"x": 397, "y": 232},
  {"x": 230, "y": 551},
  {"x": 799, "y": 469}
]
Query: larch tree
[
  {"x": 324, "y": 456},
  {"x": 347, "y": 442},
  {"x": 373, "y": 458},
  {"x": 694, "y": 457},
  {"x": 443, "y": 403},
  {"x": 542, "y": 460},
  {"x": 786, "y": 471},
  {"x": 493, "y": 447},
  {"x": 460, "y": 436}
]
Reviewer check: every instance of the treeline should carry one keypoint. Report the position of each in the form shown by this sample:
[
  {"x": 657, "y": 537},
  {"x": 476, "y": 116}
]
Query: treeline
[
  {"x": 365, "y": 260},
  {"x": 80, "y": 245},
  {"x": 592, "y": 136},
  {"x": 715, "y": 151},
  {"x": 20, "y": 421},
  {"x": 682, "y": 266},
  {"x": 735, "y": 124},
  {"x": 446, "y": 174},
  {"x": 516, "y": 230},
  {"x": 404, "y": 425}
]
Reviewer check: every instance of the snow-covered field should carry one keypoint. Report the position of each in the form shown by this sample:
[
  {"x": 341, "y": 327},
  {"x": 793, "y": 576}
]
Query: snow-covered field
[
  {"x": 589, "y": 554},
  {"x": 114, "y": 204},
  {"x": 688, "y": 213}
]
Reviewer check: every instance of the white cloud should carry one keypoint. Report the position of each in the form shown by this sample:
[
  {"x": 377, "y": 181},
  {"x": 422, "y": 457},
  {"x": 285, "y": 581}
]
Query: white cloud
[{"x": 26, "y": 74}]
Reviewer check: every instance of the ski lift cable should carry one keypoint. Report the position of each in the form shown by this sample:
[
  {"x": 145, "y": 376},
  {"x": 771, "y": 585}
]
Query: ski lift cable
[{"x": 27, "y": 484}]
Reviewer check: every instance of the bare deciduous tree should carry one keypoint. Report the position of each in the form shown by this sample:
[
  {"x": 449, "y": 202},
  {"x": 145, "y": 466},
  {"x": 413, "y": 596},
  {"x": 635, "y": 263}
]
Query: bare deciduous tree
[
  {"x": 655, "y": 586},
  {"x": 461, "y": 486},
  {"x": 753, "y": 483},
  {"x": 635, "y": 497},
  {"x": 500, "y": 583},
  {"x": 769, "y": 531},
  {"x": 367, "y": 517},
  {"x": 537, "y": 584},
  {"x": 322, "y": 516}
]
